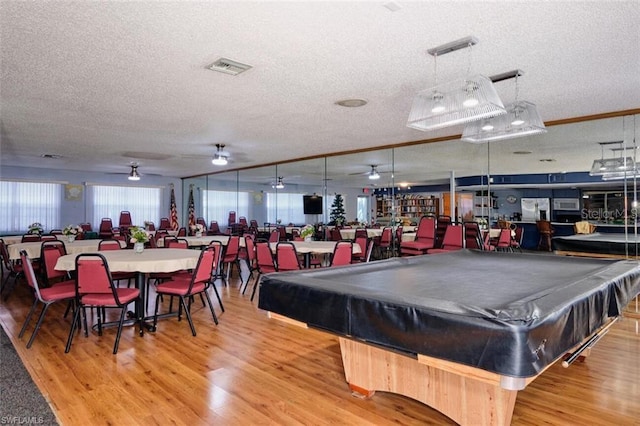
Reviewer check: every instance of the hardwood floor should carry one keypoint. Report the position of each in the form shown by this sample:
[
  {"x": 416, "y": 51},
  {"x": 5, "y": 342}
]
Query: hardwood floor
[{"x": 254, "y": 370}]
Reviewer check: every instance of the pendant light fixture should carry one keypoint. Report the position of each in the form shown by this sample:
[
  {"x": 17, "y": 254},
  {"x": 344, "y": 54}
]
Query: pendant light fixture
[
  {"x": 521, "y": 119},
  {"x": 614, "y": 167},
  {"x": 134, "y": 175},
  {"x": 373, "y": 174},
  {"x": 279, "y": 183},
  {"x": 455, "y": 102},
  {"x": 220, "y": 157}
]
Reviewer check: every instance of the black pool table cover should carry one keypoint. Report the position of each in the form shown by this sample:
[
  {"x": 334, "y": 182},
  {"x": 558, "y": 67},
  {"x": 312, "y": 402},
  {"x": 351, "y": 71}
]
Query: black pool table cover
[
  {"x": 509, "y": 313},
  {"x": 597, "y": 243}
]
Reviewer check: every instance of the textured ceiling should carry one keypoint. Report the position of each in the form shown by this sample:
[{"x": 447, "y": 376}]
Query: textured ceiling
[{"x": 106, "y": 83}]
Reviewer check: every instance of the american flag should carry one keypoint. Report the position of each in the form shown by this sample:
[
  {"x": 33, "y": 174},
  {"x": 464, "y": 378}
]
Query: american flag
[
  {"x": 192, "y": 209},
  {"x": 173, "y": 212}
]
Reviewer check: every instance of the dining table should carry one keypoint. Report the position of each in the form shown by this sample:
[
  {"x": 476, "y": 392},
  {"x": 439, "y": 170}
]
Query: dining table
[
  {"x": 203, "y": 241},
  {"x": 159, "y": 260},
  {"x": 307, "y": 248},
  {"x": 350, "y": 233},
  {"x": 78, "y": 246},
  {"x": 11, "y": 239}
]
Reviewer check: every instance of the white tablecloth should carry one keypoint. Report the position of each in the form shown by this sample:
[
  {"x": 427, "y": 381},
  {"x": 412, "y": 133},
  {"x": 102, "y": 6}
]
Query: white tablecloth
[
  {"x": 350, "y": 234},
  {"x": 318, "y": 247},
  {"x": 76, "y": 247},
  {"x": 150, "y": 260},
  {"x": 205, "y": 240}
]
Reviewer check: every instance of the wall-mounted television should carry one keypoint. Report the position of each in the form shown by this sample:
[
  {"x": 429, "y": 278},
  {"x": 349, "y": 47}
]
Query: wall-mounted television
[{"x": 312, "y": 204}]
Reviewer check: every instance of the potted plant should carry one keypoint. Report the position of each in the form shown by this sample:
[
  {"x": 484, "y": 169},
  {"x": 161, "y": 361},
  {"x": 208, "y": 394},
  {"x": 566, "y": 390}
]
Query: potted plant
[
  {"x": 307, "y": 232},
  {"x": 35, "y": 228},
  {"x": 71, "y": 231},
  {"x": 138, "y": 237},
  {"x": 197, "y": 229}
]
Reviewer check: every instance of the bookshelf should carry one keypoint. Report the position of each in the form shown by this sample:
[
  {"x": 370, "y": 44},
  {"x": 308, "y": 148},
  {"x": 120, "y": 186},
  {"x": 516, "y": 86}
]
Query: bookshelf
[{"x": 411, "y": 206}]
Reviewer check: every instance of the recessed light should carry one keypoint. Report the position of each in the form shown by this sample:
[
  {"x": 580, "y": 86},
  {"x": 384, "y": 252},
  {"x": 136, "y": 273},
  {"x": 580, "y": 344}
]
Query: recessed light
[
  {"x": 522, "y": 152},
  {"x": 351, "y": 103},
  {"x": 547, "y": 160},
  {"x": 54, "y": 156}
]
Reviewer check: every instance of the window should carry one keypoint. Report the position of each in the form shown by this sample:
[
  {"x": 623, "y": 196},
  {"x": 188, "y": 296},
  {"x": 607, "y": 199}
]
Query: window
[
  {"x": 363, "y": 209},
  {"x": 286, "y": 207},
  {"x": 216, "y": 205},
  {"x": 144, "y": 203},
  {"x": 24, "y": 203}
]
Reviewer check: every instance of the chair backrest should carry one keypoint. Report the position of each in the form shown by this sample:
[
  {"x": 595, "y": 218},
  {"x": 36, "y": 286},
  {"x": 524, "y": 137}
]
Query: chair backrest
[
  {"x": 398, "y": 235},
  {"x": 125, "y": 219},
  {"x": 274, "y": 236},
  {"x": 264, "y": 257},
  {"x": 93, "y": 275},
  {"x": 504, "y": 239},
  {"x": 4, "y": 253},
  {"x": 206, "y": 262},
  {"x": 109, "y": 245},
  {"x": 253, "y": 223},
  {"x": 150, "y": 226},
  {"x": 342, "y": 253},
  {"x": 164, "y": 223},
  {"x": 30, "y": 274},
  {"x": 453, "y": 238},
  {"x": 243, "y": 221},
  {"x": 48, "y": 238},
  {"x": 442, "y": 222},
  {"x": 179, "y": 243},
  {"x": 518, "y": 234},
  {"x": 232, "y": 217},
  {"x": 214, "y": 228},
  {"x": 55, "y": 232},
  {"x": 106, "y": 225},
  {"x": 335, "y": 234},
  {"x": 159, "y": 235},
  {"x": 287, "y": 257},
  {"x": 182, "y": 232},
  {"x": 233, "y": 248},
  {"x": 86, "y": 227},
  {"x": 360, "y": 232},
  {"x": 50, "y": 251},
  {"x": 472, "y": 236},
  {"x": 387, "y": 236},
  {"x": 426, "y": 230},
  {"x": 31, "y": 238},
  {"x": 544, "y": 226},
  {"x": 250, "y": 247},
  {"x": 283, "y": 232},
  {"x": 363, "y": 242}
]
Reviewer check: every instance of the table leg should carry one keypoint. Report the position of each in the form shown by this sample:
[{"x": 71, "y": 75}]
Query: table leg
[{"x": 465, "y": 397}]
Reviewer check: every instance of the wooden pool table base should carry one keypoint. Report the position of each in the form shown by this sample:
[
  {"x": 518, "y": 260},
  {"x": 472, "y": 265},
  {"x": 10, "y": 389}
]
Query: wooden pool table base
[{"x": 465, "y": 394}]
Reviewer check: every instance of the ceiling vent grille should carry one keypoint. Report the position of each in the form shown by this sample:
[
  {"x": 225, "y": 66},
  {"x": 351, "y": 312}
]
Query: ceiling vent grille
[{"x": 228, "y": 66}]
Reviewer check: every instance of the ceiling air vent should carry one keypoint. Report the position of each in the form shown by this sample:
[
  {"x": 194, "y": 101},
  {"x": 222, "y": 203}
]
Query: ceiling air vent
[{"x": 228, "y": 66}]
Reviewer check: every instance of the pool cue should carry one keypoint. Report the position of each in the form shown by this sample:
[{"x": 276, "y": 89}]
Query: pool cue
[{"x": 589, "y": 343}]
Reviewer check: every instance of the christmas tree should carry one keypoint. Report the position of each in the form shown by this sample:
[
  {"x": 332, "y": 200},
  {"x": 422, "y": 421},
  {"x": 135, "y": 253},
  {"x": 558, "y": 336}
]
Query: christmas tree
[{"x": 337, "y": 210}]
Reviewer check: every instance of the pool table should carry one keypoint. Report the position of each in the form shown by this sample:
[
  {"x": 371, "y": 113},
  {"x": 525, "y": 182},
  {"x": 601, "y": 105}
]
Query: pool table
[{"x": 460, "y": 331}]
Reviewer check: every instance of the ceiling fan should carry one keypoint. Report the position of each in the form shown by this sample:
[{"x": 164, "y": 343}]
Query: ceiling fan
[
  {"x": 134, "y": 174},
  {"x": 220, "y": 157},
  {"x": 372, "y": 174}
]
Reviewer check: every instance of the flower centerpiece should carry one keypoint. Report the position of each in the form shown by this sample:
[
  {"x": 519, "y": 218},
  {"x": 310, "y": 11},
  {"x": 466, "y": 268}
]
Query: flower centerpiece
[
  {"x": 147, "y": 224},
  {"x": 71, "y": 232},
  {"x": 36, "y": 228},
  {"x": 307, "y": 232},
  {"x": 197, "y": 229},
  {"x": 138, "y": 237}
]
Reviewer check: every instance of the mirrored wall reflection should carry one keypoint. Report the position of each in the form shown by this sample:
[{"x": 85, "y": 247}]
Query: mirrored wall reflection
[{"x": 399, "y": 185}]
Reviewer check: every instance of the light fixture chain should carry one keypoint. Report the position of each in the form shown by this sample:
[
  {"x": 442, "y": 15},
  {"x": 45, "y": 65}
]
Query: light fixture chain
[
  {"x": 469, "y": 60},
  {"x": 435, "y": 68},
  {"x": 517, "y": 88}
]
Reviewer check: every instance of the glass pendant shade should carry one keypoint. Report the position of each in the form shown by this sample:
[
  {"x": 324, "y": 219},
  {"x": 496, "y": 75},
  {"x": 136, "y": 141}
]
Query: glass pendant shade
[
  {"x": 521, "y": 119},
  {"x": 456, "y": 102},
  {"x": 612, "y": 167}
]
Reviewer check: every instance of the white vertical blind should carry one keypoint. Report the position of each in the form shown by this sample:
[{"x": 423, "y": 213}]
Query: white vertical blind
[
  {"x": 290, "y": 208},
  {"x": 216, "y": 205},
  {"x": 143, "y": 203},
  {"x": 24, "y": 203}
]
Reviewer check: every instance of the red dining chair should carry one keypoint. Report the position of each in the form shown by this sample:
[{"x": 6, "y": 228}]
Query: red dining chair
[
  {"x": 265, "y": 262},
  {"x": 364, "y": 243},
  {"x": 442, "y": 222},
  {"x": 232, "y": 218},
  {"x": 31, "y": 238},
  {"x": 473, "y": 236},
  {"x": 504, "y": 240},
  {"x": 250, "y": 259},
  {"x": 125, "y": 221},
  {"x": 184, "y": 287},
  {"x": 385, "y": 243},
  {"x": 179, "y": 243},
  {"x": 516, "y": 240},
  {"x": 165, "y": 224},
  {"x": 50, "y": 251},
  {"x": 274, "y": 236},
  {"x": 114, "y": 244},
  {"x": 182, "y": 232},
  {"x": 342, "y": 253},
  {"x": 230, "y": 256},
  {"x": 106, "y": 228},
  {"x": 335, "y": 234},
  {"x": 425, "y": 238},
  {"x": 95, "y": 288},
  {"x": 14, "y": 269},
  {"x": 59, "y": 292},
  {"x": 453, "y": 240},
  {"x": 214, "y": 228},
  {"x": 287, "y": 257}
]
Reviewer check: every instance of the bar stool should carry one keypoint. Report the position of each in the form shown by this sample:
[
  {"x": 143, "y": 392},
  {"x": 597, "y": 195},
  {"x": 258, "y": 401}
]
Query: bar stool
[{"x": 546, "y": 232}]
